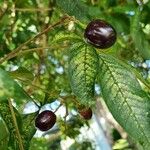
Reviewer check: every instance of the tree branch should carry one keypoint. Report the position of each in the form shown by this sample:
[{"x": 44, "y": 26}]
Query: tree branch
[
  {"x": 18, "y": 49},
  {"x": 32, "y": 9}
]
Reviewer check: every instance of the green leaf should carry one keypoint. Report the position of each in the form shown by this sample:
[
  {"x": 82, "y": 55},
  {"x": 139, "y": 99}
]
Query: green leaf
[
  {"x": 140, "y": 42},
  {"x": 120, "y": 144},
  {"x": 22, "y": 73},
  {"x": 3, "y": 136},
  {"x": 7, "y": 117},
  {"x": 120, "y": 22},
  {"x": 128, "y": 103},
  {"x": 123, "y": 9},
  {"x": 94, "y": 12},
  {"x": 82, "y": 72},
  {"x": 25, "y": 125},
  {"x": 10, "y": 89},
  {"x": 28, "y": 128},
  {"x": 62, "y": 36},
  {"x": 74, "y": 8}
]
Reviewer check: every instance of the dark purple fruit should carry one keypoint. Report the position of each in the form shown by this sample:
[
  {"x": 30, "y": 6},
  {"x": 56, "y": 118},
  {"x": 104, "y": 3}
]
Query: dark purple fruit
[
  {"x": 100, "y": 34},
  {"x": 86, "y": 113},
  {"x": 45, "y": 120}
]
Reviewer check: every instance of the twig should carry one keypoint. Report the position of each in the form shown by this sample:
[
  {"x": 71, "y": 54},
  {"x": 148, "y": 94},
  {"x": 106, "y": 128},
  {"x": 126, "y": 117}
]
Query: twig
[
  {"x": 16, "y": 125},
  {"x": 30, "y": 50},
  {"x": 11, "y": 55},
  {"x": 57, "y": 108},
  {"x": 33, "y": 85},
  {"x": 32, "y": 9},
  {"x": 73, "y": 99},
  {"x": 35, "y": 49},
  {"x": 66, "y": 114},
  {"x": 3, "y": 12}
]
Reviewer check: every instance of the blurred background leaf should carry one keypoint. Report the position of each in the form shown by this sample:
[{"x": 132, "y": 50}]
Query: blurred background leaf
[{"x": 10, "y": 89}]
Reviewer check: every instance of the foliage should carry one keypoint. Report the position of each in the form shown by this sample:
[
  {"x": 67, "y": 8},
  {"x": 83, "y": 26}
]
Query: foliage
[
  {"x": 39, "y": 144},
  {"x": 81, "y": 146},
  {"x": 10, "y": 89},
  {"x": 71, "y": 128},
  {"x": 44, "y": 59}
]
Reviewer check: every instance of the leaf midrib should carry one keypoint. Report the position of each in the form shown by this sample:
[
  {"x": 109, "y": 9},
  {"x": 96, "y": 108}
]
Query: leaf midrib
[{"x": 115, "y": 81}]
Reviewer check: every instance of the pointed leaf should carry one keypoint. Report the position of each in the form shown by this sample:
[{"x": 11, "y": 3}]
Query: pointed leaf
[
  {"x": 128, "y": 103},
  {"x": 82, "y": 72},
  {"x": 10, "y": 89}
]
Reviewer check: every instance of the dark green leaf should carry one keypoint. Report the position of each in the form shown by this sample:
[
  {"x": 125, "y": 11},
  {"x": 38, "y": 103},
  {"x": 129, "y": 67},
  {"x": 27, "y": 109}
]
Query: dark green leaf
[
  {"x": 82, "y": 72},
  {"x": 128, "y": 103},
  {"x": 28, "y": 128},
  {"x": 120, "y": 22},
  {"x": 3, "y": 136},
  {"x": 7, "y": 117}
]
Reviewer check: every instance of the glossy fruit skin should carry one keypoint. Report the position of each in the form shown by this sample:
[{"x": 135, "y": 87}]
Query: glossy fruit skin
[
  {"x": 45, "y": 120},
  {"x": 100, "y": 34},
  {"x": 86, "y": 113}
]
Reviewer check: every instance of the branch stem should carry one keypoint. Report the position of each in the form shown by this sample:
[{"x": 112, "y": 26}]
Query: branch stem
[
  {"x": 32, "y": 9},
  {"x": 18, "y": 49}
]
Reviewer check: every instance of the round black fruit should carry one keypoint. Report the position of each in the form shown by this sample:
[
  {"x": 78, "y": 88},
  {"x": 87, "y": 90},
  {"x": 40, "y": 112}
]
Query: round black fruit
[
  {"x": 100, "y": 34},
  {"x": 45, "y": 120},
  {"x": 86, "y": 113}
]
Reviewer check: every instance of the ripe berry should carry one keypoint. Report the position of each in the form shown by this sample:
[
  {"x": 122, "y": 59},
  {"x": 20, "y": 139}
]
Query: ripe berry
[
  {"x": 45, "y": 120},
  {"x": 86, "y": 113},
  {"x": 100, "y": 34}
]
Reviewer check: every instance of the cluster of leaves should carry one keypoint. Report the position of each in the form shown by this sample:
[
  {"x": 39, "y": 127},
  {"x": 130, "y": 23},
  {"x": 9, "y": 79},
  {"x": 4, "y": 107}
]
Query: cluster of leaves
[
  {"x": 71, "y": 128},
  {"x": 81, "y": 146},
  {"x": 123, "y": 97},
  {"x": 42, "y": 64}
]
